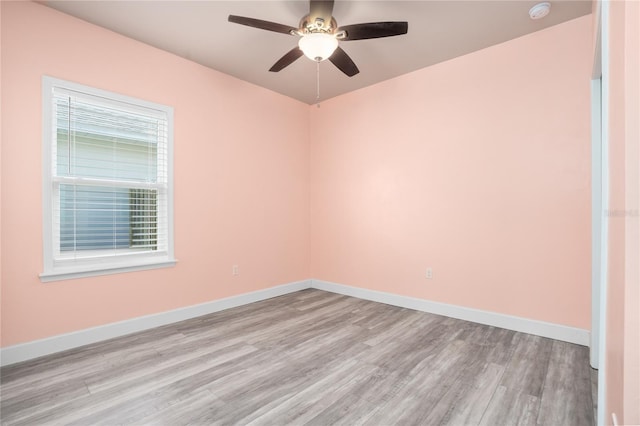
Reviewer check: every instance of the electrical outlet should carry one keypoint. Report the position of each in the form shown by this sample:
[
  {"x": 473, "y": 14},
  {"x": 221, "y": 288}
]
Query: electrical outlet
[
  {"x": 235, "y": 270},
  {"x": 429, "y": 273}
]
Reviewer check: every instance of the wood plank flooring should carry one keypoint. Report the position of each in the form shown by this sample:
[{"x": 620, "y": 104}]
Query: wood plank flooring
[{"x": 310, "y": 357}]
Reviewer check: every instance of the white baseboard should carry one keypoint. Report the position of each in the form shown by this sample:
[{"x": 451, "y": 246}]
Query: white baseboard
[
  {"x": 539, "y": 328},
  {"x": 62, "y": 342}
]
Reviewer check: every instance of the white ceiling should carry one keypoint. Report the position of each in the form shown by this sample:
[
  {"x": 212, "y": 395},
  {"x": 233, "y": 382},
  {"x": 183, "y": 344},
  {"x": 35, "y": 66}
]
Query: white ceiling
[{"x": 199, "y": 31}]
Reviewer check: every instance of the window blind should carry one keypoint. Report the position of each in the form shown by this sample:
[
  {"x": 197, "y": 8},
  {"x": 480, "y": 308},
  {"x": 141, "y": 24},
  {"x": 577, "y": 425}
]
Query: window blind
[{"x": 109, "y": 178}]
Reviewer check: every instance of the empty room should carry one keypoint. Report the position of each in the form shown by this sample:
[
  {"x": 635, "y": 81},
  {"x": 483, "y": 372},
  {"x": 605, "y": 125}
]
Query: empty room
[{"x": 320, "y": 212}]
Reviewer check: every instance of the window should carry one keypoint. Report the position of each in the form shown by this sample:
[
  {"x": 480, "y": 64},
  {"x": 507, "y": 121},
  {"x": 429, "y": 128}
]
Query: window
[{"x": 107, "y": 187}]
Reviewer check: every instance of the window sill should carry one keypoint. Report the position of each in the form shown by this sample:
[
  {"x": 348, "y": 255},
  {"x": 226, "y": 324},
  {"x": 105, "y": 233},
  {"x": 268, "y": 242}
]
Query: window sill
[{"x": 68, "y": 275}]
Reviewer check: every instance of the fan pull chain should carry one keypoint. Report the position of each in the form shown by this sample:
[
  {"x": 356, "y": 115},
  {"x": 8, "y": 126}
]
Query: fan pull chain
[{"x": 318, "y": 83}]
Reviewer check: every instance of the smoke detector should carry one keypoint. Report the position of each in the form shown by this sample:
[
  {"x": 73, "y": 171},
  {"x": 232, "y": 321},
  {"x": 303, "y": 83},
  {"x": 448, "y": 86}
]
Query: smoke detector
[{"x": 540, "y": 10}]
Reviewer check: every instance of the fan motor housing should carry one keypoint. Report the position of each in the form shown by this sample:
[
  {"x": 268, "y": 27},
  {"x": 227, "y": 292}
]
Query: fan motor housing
[{"x": 318, "y": 26}]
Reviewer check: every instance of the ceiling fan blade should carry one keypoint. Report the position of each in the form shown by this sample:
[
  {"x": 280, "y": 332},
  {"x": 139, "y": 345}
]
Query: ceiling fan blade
[
  {"x": 344, "y": 63},
  {"x": 373, "y": 30},
  {"x": 287, "y": 59},
  {"x": 320, "y": 9},
  {"x": 263, "y": 25}
]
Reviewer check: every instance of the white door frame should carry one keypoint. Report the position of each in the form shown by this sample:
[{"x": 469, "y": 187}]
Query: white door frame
[
  {"x": 600, "y": 201},
  {"x": 597, "y": 210}
]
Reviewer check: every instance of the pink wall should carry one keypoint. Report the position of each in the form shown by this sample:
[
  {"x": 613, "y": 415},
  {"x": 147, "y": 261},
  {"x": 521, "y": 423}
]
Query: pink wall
[
  {"x": 241, "y": 178},
  {"x": 632, "y": 243},
  {"x": 623, "y": 298},
  {"x": 616, "y": 224},
  {"x": 478, "y": 167},
  {"x": 429, "y": 169},
  {"x": 1, "y": 178}
]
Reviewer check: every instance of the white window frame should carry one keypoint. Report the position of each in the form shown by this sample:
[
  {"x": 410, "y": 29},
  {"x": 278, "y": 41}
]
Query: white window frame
[{"x": 57, "y": 269}]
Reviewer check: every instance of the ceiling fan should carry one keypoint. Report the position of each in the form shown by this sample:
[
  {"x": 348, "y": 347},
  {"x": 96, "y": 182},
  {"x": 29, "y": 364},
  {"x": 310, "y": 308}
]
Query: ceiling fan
[{"x": 319, "y": 36}]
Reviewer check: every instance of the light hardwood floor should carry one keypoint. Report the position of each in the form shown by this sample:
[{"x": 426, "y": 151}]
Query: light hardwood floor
[{"x": 309, "y": 357}]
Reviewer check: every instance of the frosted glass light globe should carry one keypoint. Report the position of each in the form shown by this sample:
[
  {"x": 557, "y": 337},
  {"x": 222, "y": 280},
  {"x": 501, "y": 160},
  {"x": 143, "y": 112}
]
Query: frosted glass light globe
[{"x": 318, "y": 46}]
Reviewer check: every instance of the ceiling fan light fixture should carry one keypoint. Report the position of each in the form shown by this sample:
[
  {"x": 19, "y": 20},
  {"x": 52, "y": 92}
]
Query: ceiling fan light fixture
[{"x": 318, "y": 46}]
